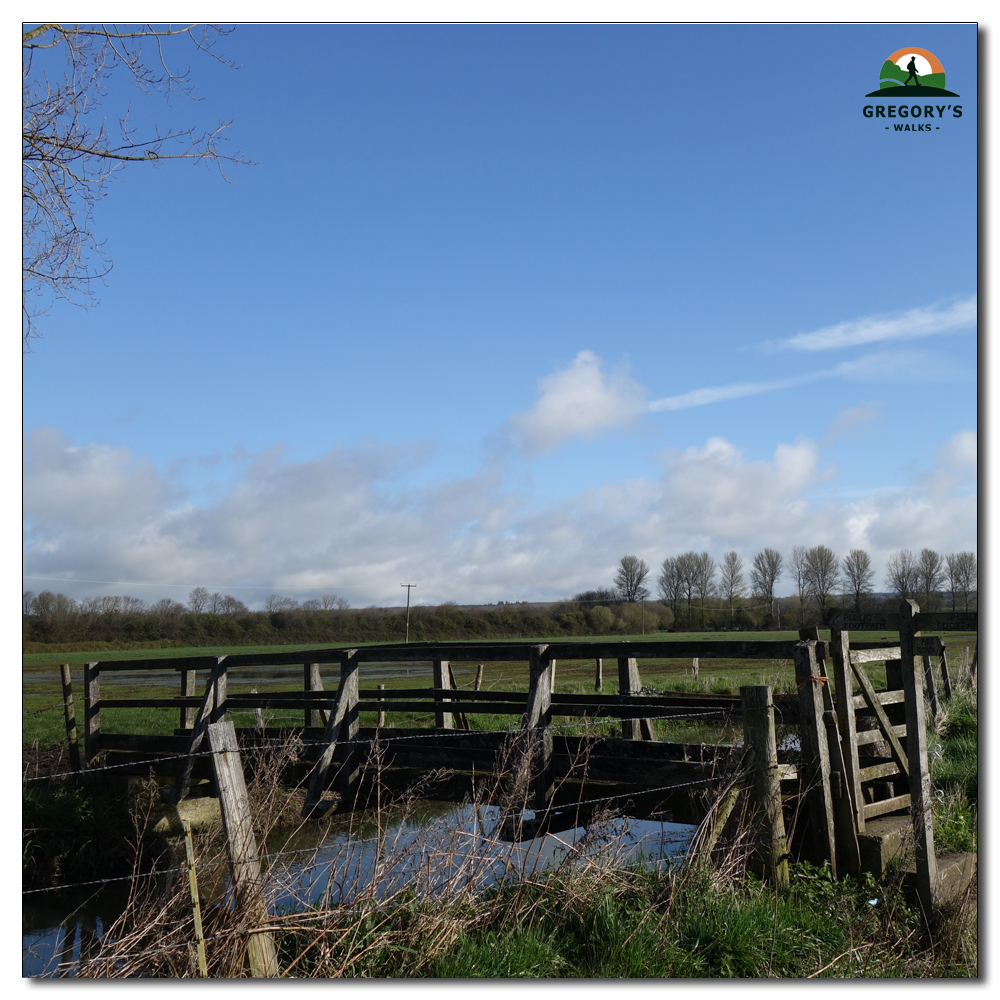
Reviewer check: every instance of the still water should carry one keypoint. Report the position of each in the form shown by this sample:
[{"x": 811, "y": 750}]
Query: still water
[{"x": 437, "y": 847}]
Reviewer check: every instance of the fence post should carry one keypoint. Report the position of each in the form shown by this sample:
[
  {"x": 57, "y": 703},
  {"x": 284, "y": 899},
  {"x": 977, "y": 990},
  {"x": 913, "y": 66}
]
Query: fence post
[
  {"x": 199, "y": 933},
  {"x": 220, "y": 673},
  {"x": 815, "y": 751},
  {"x": 931, "y": 688},
  {"x": 840, "y": 653},
  {"x": 629, "y": 683},
  {"x": 312, "y": 681},
  {"x": 537, "y": 725},
  {"x": 380, "y": 722},
  {"x": 694, "y": 668},
  {"x": 244, "y": 861},
  {"x": 945, "y": 676},
  {"x": 91, "y": 710},
  {"x": 916, "y": 753},
  {"x": 442, "y": 680},
  {"x": 189, "y": 678},
  {"x": 69, "y": 713},
  {"x": 599, "y": 674},
  {"x": 479, "y": 676},
  {"x": 758, "y": 736}
]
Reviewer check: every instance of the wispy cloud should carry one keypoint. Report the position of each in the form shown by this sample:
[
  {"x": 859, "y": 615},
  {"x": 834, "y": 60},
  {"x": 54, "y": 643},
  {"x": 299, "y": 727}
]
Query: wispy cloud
[
  {"x": 851, "y": 419},
  {"x": 870, "y": 329},
  {"x": 720, "y": 393}
]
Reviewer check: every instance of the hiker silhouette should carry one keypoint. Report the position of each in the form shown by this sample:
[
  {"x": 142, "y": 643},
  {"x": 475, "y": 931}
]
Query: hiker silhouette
[{"x": 912, "y": 67}]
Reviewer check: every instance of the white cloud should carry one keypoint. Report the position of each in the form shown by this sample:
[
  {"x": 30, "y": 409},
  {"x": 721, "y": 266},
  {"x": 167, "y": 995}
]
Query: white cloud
[
  {"x": 578, "y": 401},
  {"x": 850, "y": 420},
  {"x": 346, "y": 521},
  {"x": 720, "y": 393},
  {"x": 921, "y": 322}
]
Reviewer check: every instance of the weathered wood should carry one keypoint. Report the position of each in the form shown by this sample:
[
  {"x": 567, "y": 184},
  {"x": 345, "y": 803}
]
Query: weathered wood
[
  {"x": 893, "y": 676},
  {"x": 874, "y": 655},
  {"x": 342, "y": 724},
  {"x": 928, "y": 645},
  {"x": 849, "y": 621},
  {"x": 445, "y": 706},
  {"x": 931, "y": 688},
  {"x": 312, "y": 681},
  {"x": 244, "y": 861},
  {"x": 945, "y": 621},
  {"x": 876, "y": 735},
  {"x": 758, "y": 736},
  {"x": 69, "y": 716},
  {"x": 629, "y": 684},
  {"x": 916, "y": 750},
  {"x": 815, "y": 750},
  {"x": 885, "y": 726},
  {"x": 199, "y": 933},
  {"x": 442, "y": 681},
  {"x": 221, "y": 683},
  {"x": 711, "y": 827},
  {"x": 537, "y": 725},
  {"x": 461, "y": 722},
  {"x": 380, "y": 723},
  {"x": 897, "y": 802},
  {"x": 598, "y": 673},
  {"x": 189, "y": 680},
  {"x": 91, "y": 710},
  {"x": 479, "y": 676},
  {"x": 945, "y": 676},
  {"x": 875, "y": 771},
  {"x": 258, "y": 715},
  {"x": 201, "y": 723},
  {"x": 694, "y": 667},
  {"x": 883, "y": 697},
  {"x": 841, "y": 656}
]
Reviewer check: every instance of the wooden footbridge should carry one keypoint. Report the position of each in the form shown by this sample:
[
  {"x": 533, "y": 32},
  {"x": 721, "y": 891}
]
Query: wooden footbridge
[{"x": 861, "y": 753}]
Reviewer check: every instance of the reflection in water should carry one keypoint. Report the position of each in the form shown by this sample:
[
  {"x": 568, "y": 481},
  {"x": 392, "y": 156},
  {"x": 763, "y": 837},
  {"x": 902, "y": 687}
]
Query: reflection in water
[{"x": 437, "y": 846}]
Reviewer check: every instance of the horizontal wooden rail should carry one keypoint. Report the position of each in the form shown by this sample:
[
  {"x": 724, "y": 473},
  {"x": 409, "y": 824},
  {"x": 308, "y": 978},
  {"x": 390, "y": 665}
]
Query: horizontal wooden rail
[
  {"x": 873, "y": 809},
  {"x": 875, "y": 655},
  {"x": 884, "y": 698},
  {"x": 887, "y": 769},
  {"x": 875, "y": 735}
]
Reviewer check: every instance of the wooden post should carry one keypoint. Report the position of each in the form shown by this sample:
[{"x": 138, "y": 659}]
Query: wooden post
[
  {"x": 258, "y": 715},
  {"x": 537, "y": 724},
  {"x": 815, "y": 751},
  {"x": 342, "y": 723},
  {"x": 189, "y": 678},
  {"x": 916, "y": 752},
  {"x": 945, "y": 676},
  {"x": 244, "y": 862},
  {"x": 381, "y": 712},
  {"x": 931, "y": 688},
  {"x": 629, "y": 683},
  {"x": 966, "y": 673},
  {"x": 975, "y": 660},
  {"x": 91, "y": 710},
  {"x": 199, "y": 933},
  {"x": 220, "y": 676},
  {"x": 599, "y": 675},
  {"x": 198, "y": 730},
  {"x": 694, "y": 668},
  {"x": 479, "y": 676},
  {"x": 69, "y": 713},
  {"x": 758, "y": 735},
  {"x": 311, "y": 681},
  {"x": 840, "y": 653},
  {"x": 442, "y": 679}
]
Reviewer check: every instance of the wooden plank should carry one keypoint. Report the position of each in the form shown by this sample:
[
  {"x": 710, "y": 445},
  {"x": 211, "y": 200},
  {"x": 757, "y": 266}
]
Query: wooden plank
[
  {"x": 873, "y": 809},
  {"x": 452, "y": 695},
  {"x": 848, "y": 621},
  {"x": 885, "y": 726},
  {"x": 877, "y": 771},
  {"x": 312, "y": 683},
  {"x": 840, "y": 654},
  {"x": 91, "y": 710},
  {"x": 149, "y": 702},
  {"x": 916, "y": 751},
  {"x": 884, "y": 698},
  {"x": 758, "y": 736},
  {"x": 69, "y": 716},
  {"x": 189, "y": 678},
  {"x": 876, "y": 736},
  {"x": 928, "y": 645},
  {"x": 629, "y": 684},
  {"x": 472, "y": 708},
  {"x": 167, "y": 664},
  {"x": 244, "y": 861},
  {"x": 879, "y": 655},
  {"x": 442, "y": 681},
  {"x": 343, "y": 723},
  {"x": 199, "y": 934},
  {"x": 461, "y": 722},
  {"x": 946, "y": 621},
  {"x": 815, "y": 750},
  {"x": 201, "y": 723}
]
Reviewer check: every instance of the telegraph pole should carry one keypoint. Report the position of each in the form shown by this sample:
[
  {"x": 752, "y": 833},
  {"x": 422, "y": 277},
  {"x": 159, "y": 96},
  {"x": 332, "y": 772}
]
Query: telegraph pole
[{"x": 408, "y": 586}]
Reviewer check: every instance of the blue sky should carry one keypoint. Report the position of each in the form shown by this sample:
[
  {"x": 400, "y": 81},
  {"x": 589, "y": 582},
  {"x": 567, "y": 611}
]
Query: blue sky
[{"x": 453, "y": 327}]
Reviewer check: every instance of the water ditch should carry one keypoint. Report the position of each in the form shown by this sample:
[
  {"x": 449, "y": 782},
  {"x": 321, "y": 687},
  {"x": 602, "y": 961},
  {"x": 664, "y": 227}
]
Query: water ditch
[{"x": 435, "y": 845}]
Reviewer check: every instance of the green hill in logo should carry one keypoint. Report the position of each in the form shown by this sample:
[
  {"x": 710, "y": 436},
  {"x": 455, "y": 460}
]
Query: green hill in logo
[
  {"x": 892, "y": 76},
  {"x": 902, "y": 75}
]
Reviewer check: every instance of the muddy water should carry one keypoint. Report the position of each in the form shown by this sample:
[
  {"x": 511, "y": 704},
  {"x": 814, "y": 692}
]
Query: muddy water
[{"x": 438, "y": 846}]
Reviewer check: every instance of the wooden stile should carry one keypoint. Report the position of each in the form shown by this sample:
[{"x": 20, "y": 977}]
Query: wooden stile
[
  {"x": 840, "y": 654},
  {"x": 244, "y": 861},
  {"x": 206, "y": 712}
]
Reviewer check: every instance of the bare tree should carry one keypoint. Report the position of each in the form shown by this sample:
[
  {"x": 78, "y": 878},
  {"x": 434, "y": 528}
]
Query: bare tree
[
  {"x": 331, "y": 602},
  {"x": 800, "y": 574},
  {"x": 231, "y": 606},
  {"x": 822, "y": 576},
  {"x": 69, "y": 154},
  {"x": 930, "y": 576},
  {"x": 47, "y": 604},
  {"x": 731, "y": 580},
  {"x": 198, "y": 600},
  {"x": 630, "y": 577},
  {"x": 670, "y": 584},
  {"x": 275, "y": 602},
  {"x": 27, "y": 596},
  {"x": 703, "y": 567},
  {"x": 901, "y": 573},
  {"x": 858, "y": 576},
  {"x": 168, "y": 608},
  {"x": 765, "y": 573},
  {"x": 963, "y": 577}
]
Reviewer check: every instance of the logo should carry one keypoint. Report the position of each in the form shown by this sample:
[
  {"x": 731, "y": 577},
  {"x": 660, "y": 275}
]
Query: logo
[{"x": 911, "y": 73}]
